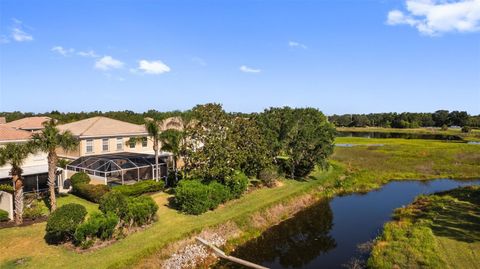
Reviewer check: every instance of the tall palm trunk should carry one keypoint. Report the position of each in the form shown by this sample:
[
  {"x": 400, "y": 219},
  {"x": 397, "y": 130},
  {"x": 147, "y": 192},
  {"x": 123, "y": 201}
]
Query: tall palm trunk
[
  {"x": 52, "y": 163},
  {"x": 175, "y": 167},
  {"x": 18, "y": 183},
  {"x": 155, "y": 148}
]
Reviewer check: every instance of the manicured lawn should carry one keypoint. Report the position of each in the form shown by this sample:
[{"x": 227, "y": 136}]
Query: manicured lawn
[{"x": 435, "y": 231}]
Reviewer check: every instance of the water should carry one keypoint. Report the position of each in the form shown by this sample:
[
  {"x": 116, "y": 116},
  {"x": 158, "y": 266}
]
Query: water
[
  {"x": 327, "y": 234},
  {"x": 399, "y": 135}
]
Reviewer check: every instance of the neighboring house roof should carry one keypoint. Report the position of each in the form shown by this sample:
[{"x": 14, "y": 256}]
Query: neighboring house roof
[
  {"x": 29, "y": 123},
  {"x": 8, "y": 134},
  {"x": 175, "y": 123},
  {"x": 101, "y": 127}
]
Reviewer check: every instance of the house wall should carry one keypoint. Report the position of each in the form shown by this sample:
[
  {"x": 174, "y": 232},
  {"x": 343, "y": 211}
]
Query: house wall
[
  {"x": 37, "y": 160},
  {"x": 112, "y": 146},
  {"x": 6, "y": 203}
]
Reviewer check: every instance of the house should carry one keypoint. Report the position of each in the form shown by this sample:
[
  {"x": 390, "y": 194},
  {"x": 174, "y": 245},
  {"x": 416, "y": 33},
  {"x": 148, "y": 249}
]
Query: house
[
  {"x": 111, "y": 151},
  {"x": 35, "y": 167},
  {"x": 30, "y": 124}
]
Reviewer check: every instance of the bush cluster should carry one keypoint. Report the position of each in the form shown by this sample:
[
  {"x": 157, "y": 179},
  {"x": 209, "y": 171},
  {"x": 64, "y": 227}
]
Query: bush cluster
[
  {"x": 132, "y": 211},
  {"x": 34, "y": 210},
  {"x": 63, "y": 222},
  {"x": 141, "y": 187},
  {"x": 3, "y": 215},
  {"x": 98, "y": 225},
  {"x": 90, "y": 192},
  {"x": 194, "y": 197}
]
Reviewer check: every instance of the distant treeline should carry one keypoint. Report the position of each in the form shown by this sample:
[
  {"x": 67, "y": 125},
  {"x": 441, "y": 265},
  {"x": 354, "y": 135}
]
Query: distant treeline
[
  {"x": 439, "y": 118},
  {"x": 126, "y": 115}
]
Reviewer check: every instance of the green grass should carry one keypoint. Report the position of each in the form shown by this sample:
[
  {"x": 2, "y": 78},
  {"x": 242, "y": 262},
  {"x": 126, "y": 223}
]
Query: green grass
[
  {"x": 27, "y": 242},
  {"x": 358, "y": 168},
  {"x": 436, "y": 231}
]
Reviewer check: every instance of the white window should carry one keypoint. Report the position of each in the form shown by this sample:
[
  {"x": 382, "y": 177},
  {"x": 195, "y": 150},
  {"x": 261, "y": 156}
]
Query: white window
[
  {"x": 105, "y": 144},
  {"x": 119, "y": 143},
  {"x": 89, "y": 145},
  {"x": 144, "y": 142}
]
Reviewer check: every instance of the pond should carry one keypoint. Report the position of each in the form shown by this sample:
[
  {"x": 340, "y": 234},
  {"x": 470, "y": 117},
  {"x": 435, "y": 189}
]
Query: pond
[
  {"x": 399, "y": 135},
  {"x": 328, "y": 234}
]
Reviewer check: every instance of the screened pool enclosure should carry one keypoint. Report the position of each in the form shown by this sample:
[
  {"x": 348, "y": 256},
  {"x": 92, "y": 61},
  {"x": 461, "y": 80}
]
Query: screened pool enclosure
[{"x": 120, "y": 168}]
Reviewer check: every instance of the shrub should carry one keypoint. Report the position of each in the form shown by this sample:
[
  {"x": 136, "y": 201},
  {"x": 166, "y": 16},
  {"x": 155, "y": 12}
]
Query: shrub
[
  {"x": 63, "y": 222},
  {"x": 131, "y": 210},
  {"x": 116, "y": 203},
  {"x": 192, "y": 197},
  {"x": 92, "y": 193},
  {"x": 141, "y": 210},
  {"x": 444, "y": 127},
  {"x": 34, "y": 210},
  {"x": 4, "y": 215},
  {"x": 218, "y": 194},
  {"x": 98, "y": 225},
  {"x": 79, "y": 178},
  {"x": 141, "y": 187},
  {"x": 237, "y": 184},
  {"x": 268, "y": 176},
  {"x": 6, "y": 188},
  {"x": 466, "y": 129}
]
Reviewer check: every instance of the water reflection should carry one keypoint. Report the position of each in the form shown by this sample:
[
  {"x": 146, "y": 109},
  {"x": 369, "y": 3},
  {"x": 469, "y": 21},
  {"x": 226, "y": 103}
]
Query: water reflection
[
  {"x": 294, "y": 243},
  {"x": 399, "y": 135}
]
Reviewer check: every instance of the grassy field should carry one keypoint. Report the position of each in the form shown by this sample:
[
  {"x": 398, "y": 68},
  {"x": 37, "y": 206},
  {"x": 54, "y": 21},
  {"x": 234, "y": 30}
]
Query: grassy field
[
  {"x": 436, "y": 231},
  {"x": 373, "y": 162},
  {"x": 474, "y": 135},
  {"x": 357, "y": 168}
]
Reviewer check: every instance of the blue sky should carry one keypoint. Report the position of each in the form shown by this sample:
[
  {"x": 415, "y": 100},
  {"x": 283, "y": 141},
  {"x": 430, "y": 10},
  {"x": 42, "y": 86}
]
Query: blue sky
[{"x": 338, "y": 56}]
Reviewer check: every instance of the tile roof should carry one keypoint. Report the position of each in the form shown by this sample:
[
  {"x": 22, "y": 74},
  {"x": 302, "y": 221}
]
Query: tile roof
[
  {"x": 102, "y": 126},
  {"x": 11, "y": 134},
  {"x": 29, "y": 123}
]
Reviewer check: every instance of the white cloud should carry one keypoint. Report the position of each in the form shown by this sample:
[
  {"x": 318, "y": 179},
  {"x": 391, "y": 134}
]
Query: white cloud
[
  {"x": 90, "y": 54},
  {"x": 153, "y": 67},
  {"x": 434, "y": 17},
  {"x": 294, "y": 44},
  {"x": 18, "y": 34},
  {"x": 63, "y": 51},
  {"x": 107, "y": 63},
  {"x": 247, "y": 69}
]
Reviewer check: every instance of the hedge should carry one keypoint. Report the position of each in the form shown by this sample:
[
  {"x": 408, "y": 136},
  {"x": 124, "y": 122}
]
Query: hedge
[
  {"x": 6, "y": 188},
  {"x": 218, "y": 194},
  {"x": 140, "y": 188},
  {"x": 4, "y": 215},
  {"x": 63, "y": 222},
  {"x": 193, "y": 197},
  {"x": 90, "y": 192}
]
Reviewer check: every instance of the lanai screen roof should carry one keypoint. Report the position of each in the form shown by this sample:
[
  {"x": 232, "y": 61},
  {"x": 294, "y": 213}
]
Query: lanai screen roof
[{"x": 113, "y": 162}]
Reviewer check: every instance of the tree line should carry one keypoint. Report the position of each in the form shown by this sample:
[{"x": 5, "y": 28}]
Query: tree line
[{"x": 439, "y": 118}]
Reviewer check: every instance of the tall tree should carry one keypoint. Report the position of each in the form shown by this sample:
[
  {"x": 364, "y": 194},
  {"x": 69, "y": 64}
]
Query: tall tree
[
  {"x": 48, "y": 140},
  {"x": 15, "y": 155}
]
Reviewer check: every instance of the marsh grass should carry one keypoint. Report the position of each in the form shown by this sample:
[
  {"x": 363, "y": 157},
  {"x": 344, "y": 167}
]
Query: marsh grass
[{"x": 436, "y": 231}]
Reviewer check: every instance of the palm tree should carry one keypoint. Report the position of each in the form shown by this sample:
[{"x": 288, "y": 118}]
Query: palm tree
[
  {"x": 14, "y": 155},
  {"x": 48, "y": 141},
  {"x": 171, "y": 141},
  {"x": 153, "y": 129}
]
